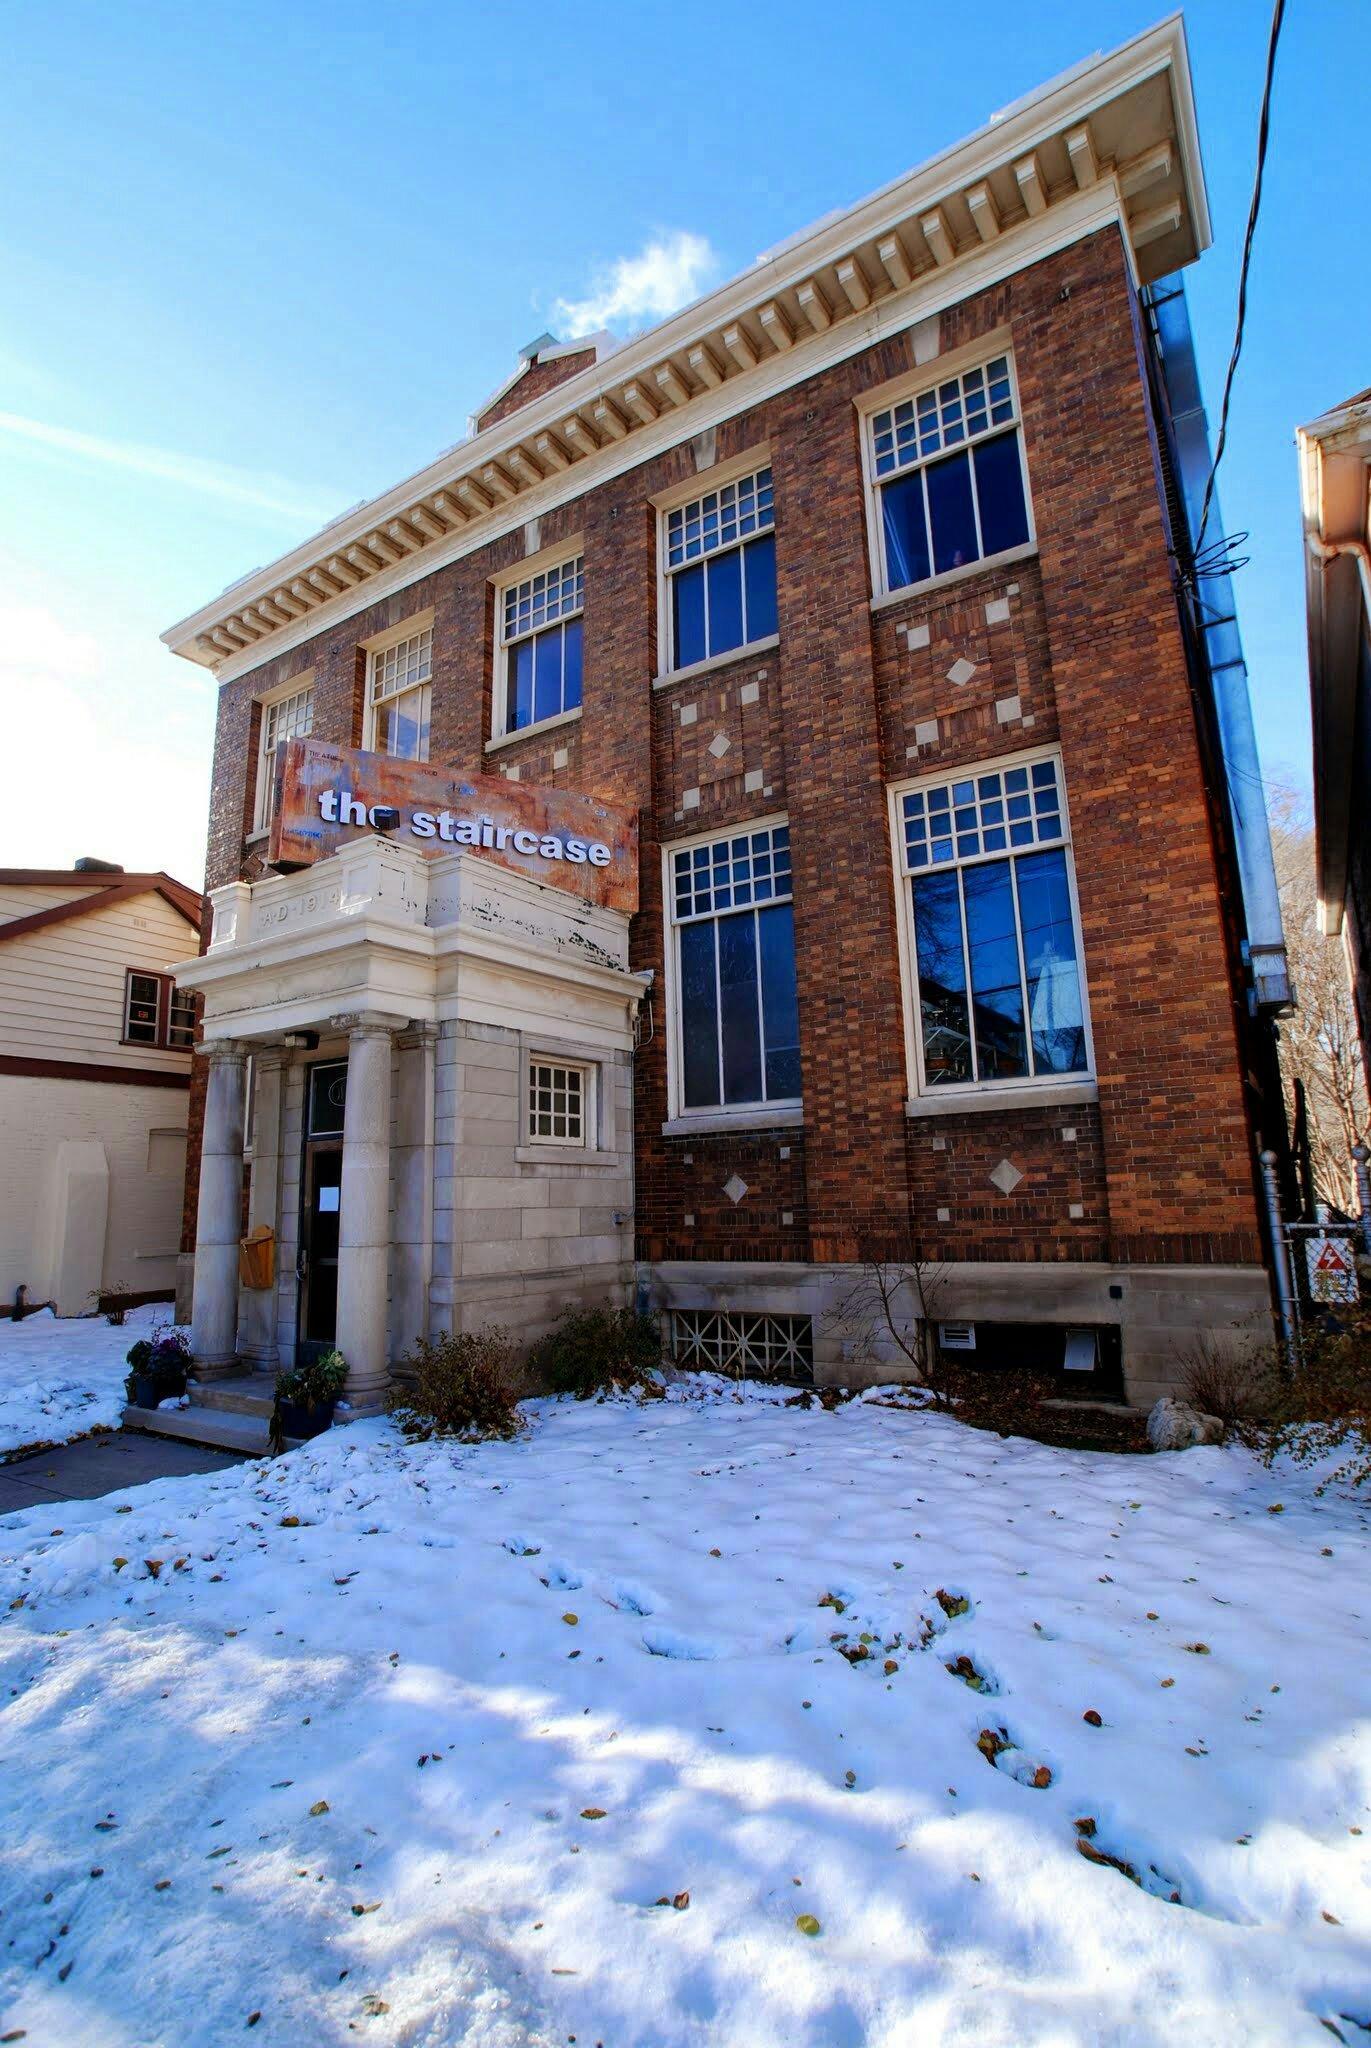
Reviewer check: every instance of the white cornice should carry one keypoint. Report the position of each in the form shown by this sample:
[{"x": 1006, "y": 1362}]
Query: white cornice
[{"x": 939, "y": 247}]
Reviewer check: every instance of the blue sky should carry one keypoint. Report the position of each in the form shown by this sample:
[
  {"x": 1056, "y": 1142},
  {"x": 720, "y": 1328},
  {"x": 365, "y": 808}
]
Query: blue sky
[{"x": 261, "y": 261}]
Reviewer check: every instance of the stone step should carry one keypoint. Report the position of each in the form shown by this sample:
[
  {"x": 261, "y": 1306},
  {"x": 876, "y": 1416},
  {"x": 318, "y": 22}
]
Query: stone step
[
  {"x": 220, "y": 1427},
  {"x": 251, "y": 1393}
]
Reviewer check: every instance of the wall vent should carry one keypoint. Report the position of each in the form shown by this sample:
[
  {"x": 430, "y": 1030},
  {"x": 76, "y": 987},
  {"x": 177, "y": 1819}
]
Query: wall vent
[{"x": 957, "y": 1336}]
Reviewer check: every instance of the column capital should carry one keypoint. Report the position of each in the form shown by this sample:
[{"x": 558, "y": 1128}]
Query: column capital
[
  {"x": 265, "y": 1057},
  {"x": 223, "y": 1051},
  {"x": 416, "y": 1035},
  {"x": 368, "y": 1023}
]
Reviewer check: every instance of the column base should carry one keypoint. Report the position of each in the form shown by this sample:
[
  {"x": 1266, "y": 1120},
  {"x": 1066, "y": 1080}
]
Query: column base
[{"x": 217, "y": 1368}]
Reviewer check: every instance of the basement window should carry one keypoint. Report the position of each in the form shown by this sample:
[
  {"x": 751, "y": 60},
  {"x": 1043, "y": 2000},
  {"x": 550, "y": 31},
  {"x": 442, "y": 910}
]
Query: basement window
[
  {"x": 948, "y": 476},
  {"x": 747, "y": 1346}
]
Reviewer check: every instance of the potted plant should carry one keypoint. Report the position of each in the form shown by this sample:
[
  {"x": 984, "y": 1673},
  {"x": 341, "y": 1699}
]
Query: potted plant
[
  {"x": 307, "y": 1397},
  {"x": 157, "y": 1368}
]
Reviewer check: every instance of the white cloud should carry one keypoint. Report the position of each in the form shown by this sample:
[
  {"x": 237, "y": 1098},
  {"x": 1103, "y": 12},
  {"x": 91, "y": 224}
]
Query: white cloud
[
  {"x": 673, "y": 269},
  {"x": 219, "y": 480}
]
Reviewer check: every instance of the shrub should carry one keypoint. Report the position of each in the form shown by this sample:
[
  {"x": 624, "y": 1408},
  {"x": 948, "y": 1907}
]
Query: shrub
[
  {"x": 113, "y": 1303},
  {"x": 595, "y": 1349},
  {"x": 1324, "y": 1405},
  {"x": 458, "y": 1386},
  {"x": 1221, "y": 1382}
]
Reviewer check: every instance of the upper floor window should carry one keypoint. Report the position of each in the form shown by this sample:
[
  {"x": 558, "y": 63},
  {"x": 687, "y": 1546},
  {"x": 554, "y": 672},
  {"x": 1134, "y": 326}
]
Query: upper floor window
[
  {"x": 289, "y": 717},
  {"x": 398, "y": 695},
  {"x": 999, "y": 992},
  {"x": 720, "y": 558},
  {"x": 948, "y": 473},
  {"x": 736, "y": 1018},
  {"x": 157, "y": 1013},
  {"x": 538, "y": 674}
]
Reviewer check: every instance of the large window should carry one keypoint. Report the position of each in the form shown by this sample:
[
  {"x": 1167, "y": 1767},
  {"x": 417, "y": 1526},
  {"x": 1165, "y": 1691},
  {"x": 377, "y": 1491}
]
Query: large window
[
  {"x": 283, "y": 718},
  {"x": 737, "y": 1015},
  {"x": 949, "y": 475},
  {"x": 999, "y": 992},
  {"x": 398, "y": 689},
  {"x": 157, "y": 1013},
  {"x": 540, "y": 639},
  {"x": 720, "y": 556}
]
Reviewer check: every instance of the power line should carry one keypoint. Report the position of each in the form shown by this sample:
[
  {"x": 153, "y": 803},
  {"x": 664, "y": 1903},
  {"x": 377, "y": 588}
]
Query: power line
[{"x": 1263, "y": 134}]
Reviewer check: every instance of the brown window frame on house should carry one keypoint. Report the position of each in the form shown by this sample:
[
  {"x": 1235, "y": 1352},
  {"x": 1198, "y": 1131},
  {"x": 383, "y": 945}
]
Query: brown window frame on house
[{"x": 166, "y": 1007}]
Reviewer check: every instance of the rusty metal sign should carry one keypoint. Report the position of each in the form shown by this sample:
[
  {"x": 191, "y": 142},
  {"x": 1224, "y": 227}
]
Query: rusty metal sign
[{"x": 328, "y": 795}]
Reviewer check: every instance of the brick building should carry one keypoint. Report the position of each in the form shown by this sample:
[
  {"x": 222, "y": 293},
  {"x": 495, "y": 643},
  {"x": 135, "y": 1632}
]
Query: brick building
[{"x": 862, "y": 590}]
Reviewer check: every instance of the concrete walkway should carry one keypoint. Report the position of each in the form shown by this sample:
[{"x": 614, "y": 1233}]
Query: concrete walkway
[{"x": 102, "y": 1464}]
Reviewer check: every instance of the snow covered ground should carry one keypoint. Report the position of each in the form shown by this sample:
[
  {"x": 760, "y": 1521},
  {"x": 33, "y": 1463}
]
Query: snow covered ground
[
  {"x": 63, "y": 1377},
  {"x": 552, "y": 1742}
]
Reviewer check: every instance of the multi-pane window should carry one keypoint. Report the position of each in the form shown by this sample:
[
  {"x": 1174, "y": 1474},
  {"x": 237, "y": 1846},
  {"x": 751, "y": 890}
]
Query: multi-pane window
[
  {"x": 735, "y": 971},
  {"x": 1000, "y": 993},
  {"x": 286, "y": 718},
  {"x": 948, "y": 468},
  {"x": 540, "y": 643},
  {"x": 557, "y": 1105},
  {"x": 158, "y": 1013},
  {"x": 398, "y": 689},
  {"x": 721, "y": 570},
  {"x": 748, "y": 1346}
]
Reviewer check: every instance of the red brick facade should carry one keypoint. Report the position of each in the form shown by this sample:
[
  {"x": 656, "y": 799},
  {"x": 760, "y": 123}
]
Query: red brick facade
[{"x": 1159, "y": 1171}]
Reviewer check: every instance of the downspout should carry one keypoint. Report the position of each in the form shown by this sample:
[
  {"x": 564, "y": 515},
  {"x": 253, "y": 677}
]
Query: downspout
[{"x": 1329, "y": 550}]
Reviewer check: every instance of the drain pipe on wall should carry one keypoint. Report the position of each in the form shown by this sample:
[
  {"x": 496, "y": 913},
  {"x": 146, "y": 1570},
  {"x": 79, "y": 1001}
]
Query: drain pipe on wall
[
  {"x": 1360, "y": 1155},
  {"x": 1280, "y": 1258}
]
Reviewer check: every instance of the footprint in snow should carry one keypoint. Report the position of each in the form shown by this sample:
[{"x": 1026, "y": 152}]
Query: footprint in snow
[
  {"x": 562, "y": 1578},
  {"x": 669, "y": 1642},
  {"x": 630, "y": 1599}
]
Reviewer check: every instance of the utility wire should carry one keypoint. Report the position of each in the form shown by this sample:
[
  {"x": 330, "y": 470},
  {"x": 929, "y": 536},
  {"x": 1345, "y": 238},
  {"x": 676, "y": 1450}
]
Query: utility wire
[{"x": 1263, "y": 134}]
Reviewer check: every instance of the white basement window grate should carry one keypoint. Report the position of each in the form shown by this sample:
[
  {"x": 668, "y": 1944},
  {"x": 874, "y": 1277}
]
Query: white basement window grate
[{"x": 746, "y": 1346}]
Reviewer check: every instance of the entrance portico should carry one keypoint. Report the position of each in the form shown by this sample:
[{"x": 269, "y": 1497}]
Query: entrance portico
[{"x": 443, "y": 986}]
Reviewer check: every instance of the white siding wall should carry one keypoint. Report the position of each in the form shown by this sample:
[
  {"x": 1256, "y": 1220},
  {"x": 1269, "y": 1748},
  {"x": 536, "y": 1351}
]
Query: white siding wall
[
  {"x": 144, "y": 1209},
  {"x": 17, "y": 902},
  {"x": 62, "y": 987}
]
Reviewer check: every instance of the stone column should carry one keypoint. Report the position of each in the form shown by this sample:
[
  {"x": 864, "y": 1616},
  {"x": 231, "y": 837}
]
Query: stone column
[
  {"x": 219, "y": 1218},
  {"x": 364, "y": 1233},
  {"x": 257, "y": 1306},
  {"x": 414, "y": 1113}
]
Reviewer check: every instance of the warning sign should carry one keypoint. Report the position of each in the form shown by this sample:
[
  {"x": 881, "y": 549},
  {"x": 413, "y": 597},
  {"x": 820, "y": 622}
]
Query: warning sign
[{"x": 1332, "y": 1268}]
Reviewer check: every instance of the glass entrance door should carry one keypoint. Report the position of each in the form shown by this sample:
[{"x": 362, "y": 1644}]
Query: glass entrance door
[{"x": 321, "y": 1194}]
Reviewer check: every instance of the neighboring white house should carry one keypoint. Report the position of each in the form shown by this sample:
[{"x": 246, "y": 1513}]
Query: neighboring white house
[{"x": 95, "y": 1061}]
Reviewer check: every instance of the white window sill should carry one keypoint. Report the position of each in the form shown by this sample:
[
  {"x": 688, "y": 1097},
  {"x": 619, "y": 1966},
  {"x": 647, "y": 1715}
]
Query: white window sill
[
  {"x": 256, "y": 838},
  {"x": 565, "y": 1155},
  {"x": 717, "y": 661},
  {"x": 931, "y": 585},
  {"x": 976, "y": 1101},
  {"x": 697, "y": 1122},
  {"x": 527, "y": 732}
]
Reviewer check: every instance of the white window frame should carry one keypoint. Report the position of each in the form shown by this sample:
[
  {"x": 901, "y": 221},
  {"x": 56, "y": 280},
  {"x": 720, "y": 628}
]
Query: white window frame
[
  {"x": 927, "y": 377},
  {"x": 534, "y": 566},
  {"x": 1022, "y": 1087},
  {"x": 269, "y": 705},
  {"x": 758, "y": 1115},
  {"x": 673, "y": 500},
  {"x": 555, "y": 1064},
  {"x": 376, "y": 650}
]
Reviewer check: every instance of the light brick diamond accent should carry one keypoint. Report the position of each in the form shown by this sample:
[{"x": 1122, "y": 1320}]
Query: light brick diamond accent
[
  {"x": 749, "y": 693},
  {"x": 961, "y": 671},
  {"x": 690, "y": 801},
  {"x": 1006, "y": 1176},
  {"x": 916, "y": 636},
  {"x": 689, "y": 713},
  {"x": 926, "y": 732},
  {"x": 753, "y": 778},
  {"x": 1007, "y": 709},
  {"x": 735, "y": 1187},
  {"x": 996, "y": 611},
  {"x": 720, "y": 745},
  {"x": 560, "y": 757}
]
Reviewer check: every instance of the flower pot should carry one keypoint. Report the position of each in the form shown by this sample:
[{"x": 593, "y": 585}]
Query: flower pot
[
  {"x": 146, "y": 1390},
  {"x": 298, "y": 1421}
]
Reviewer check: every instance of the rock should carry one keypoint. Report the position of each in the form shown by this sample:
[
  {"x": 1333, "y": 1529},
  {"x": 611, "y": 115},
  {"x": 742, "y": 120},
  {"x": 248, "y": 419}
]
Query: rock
[{"x": 1176, "y": 1426}]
